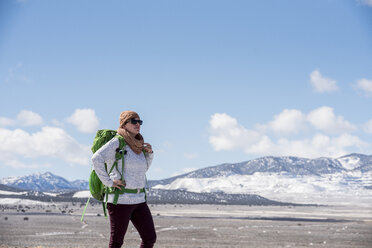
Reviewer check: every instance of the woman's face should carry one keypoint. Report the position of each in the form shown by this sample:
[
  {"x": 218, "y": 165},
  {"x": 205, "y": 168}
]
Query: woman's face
[{"x": 133, "y": 128}]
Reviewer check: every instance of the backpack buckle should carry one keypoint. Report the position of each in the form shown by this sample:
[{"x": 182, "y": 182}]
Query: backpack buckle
[
  {"x": 121, "y": 151},
  {"x": 138, "y": 191}
]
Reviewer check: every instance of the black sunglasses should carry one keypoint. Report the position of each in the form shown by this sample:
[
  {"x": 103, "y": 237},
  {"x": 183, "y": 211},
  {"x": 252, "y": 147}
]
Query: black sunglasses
[{"x": 134, "y": 121}]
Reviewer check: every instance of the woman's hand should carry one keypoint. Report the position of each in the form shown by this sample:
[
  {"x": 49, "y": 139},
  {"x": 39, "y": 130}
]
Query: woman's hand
[
  {"x": 147, "y": 147},
  {"x": 118, "y": 183}
]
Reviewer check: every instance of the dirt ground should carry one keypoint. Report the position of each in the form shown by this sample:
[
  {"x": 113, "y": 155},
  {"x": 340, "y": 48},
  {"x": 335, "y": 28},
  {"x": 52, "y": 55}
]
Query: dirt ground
[{"x": 191, "y": 226}]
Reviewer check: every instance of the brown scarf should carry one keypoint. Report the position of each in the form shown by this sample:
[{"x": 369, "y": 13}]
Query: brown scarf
[{"x": 135, "y": 142}]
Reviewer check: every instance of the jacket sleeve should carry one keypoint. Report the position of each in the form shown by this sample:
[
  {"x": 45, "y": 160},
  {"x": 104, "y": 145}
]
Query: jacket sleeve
[
  {"x": 149, "y": 157},
  {"x": 106, "y": 154}
]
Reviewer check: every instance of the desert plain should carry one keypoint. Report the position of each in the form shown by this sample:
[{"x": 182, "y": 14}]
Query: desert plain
[{"x": 192, "y": 226}]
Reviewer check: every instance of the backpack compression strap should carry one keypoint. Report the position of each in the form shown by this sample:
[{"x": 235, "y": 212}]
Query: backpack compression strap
[
  {"x": 117, "y": 191},
  {"x": 121, "y": 153}
]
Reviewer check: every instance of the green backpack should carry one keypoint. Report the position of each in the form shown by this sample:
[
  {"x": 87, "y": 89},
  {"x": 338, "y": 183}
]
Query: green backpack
[{"x": 97, "y": 189}]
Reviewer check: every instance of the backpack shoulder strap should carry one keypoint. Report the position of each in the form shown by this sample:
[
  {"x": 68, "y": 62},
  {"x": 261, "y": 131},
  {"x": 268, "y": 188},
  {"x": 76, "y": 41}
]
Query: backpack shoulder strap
[{"x": 122, "y": 142}]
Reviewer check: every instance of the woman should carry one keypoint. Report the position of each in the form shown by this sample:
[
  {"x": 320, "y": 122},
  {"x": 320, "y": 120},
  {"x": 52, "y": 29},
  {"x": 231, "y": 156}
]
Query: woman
[{"x": 130, "y": 206}]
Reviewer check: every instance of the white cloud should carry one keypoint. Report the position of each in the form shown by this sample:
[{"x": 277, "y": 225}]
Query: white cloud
[
  {"x": 293, "y": 121},
  {"x": 324, "y": 119},
  {"x": 4, "y": 122},
  {"x": 50, "y": 142},
  {"x": 264, "y": 146},
  {"x": 24, "y": 118},
  {"x": 222, "y": 121},
  {"x": 288, "y": 121},
  {"x": 365, "y": 2},
  {"x": 227, "y": 134},
  {"x": 322, "y": 84},
  {"x": 29, "y": 118},
  {"x": 367, "y": 127},
  {"x": 85, "y": 120},
  {"x": 321, "y": 145},
  {"x": 365, "y": 85}
]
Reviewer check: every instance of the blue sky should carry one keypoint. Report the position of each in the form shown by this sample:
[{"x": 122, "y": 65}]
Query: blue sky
[{"x": 214, "y": 81}]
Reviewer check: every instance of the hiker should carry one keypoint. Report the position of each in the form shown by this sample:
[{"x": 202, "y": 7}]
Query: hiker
[{"x": 137, "y": 159}]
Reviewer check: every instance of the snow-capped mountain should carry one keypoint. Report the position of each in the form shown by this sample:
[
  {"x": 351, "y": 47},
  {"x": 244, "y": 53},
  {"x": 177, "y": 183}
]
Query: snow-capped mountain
[
  {"x": 80, "y": 184},
  {"x": 294, "y": 166},
  {"x": 347, "y": 179},
  {"x": 47, "y": 182}
]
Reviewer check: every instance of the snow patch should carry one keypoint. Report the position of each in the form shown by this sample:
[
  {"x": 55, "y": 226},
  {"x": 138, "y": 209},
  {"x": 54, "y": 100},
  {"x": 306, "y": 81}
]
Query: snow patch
[
  {"x": 54, "y": 233},
  {"x": 325, "y": 189},
  {"x": 17, "y": 201},
  {"x": 50, "y": 194},
  {"x": 349, "y": 163},
  {"x": 82, "y": 194},
  {"x": 3, "y": 192}
]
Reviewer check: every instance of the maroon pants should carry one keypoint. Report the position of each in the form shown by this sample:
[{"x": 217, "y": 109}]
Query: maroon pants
[{"x": 141, "y": 218}]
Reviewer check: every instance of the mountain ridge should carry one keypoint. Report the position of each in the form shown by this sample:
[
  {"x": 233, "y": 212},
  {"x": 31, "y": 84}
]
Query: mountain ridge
[
  {"x": 280, "y": 164},
  {"x": 47, "y": 181},
  {"x": 283, "y": 165}
]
